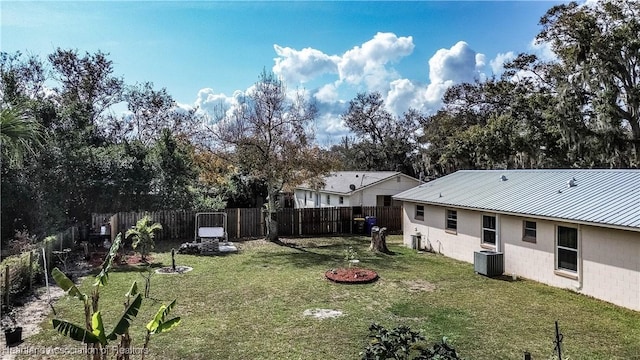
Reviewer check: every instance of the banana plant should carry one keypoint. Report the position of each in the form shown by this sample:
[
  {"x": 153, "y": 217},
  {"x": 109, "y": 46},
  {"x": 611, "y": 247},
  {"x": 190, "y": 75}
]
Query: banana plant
[
  {"x": 125, "y": 340},
  {"x": 93, "y": 334},
  {"x": 160, "y": 325}
]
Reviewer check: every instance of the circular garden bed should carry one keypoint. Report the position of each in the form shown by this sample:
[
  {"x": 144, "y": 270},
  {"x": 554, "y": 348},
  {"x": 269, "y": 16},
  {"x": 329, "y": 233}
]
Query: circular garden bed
[{"x": 351, "y": 275}]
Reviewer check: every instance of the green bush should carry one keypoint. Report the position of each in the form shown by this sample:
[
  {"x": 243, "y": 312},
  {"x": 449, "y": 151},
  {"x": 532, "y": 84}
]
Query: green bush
[{"x": 402, "y": 343}]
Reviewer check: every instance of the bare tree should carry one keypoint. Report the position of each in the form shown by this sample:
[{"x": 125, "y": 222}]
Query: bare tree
[{"x": 270, "y": 136}]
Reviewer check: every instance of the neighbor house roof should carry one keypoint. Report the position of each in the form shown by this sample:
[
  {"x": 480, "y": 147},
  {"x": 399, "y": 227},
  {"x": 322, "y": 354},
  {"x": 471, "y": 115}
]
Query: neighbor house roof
[
  {"x": 606, "y": 197},
  {"x": 340, "y": 182}
]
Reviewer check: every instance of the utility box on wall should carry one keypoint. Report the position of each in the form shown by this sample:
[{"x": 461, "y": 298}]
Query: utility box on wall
[
  {"x": 488, "y": 263},
  {"x": 415, "y": 241}
]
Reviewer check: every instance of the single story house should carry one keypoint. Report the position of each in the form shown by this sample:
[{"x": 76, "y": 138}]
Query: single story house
[
  {"x": 576, "y": 229},
  {"x": 354, "y": 188}
]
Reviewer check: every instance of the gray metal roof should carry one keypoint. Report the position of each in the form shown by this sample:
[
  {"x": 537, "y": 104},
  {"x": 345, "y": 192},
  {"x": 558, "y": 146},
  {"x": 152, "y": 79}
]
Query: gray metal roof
[
  {"x": 340, "y": 181},
  {"x": 605, "y": 197}
]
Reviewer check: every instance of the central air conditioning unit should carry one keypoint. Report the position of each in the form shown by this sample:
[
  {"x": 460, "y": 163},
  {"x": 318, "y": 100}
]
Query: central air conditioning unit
[{"x": 488, "y": 263}]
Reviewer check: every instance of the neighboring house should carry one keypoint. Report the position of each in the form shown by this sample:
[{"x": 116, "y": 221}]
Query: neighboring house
[
  {"x": 354, "y": 188},
  {"x": 576, "y": 229}
]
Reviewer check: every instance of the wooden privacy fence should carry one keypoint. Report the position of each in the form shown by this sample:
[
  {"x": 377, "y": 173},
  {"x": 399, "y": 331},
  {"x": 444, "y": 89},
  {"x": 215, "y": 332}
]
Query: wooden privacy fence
[{"x": 248, "y": 223}]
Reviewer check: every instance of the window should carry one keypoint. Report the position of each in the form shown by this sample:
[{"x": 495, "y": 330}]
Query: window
[
  {"x": 489, "y": 229},
  {"x": 387, "y": 201},
  {"x": 567, "y": 246},
  {"x": 529, "y": 231},
  {"x": 341, "y": 200},
  {"x": 419, "y": 212},
  {"x": 452, "y": 220},
  {"x": 328, "y": 199}
]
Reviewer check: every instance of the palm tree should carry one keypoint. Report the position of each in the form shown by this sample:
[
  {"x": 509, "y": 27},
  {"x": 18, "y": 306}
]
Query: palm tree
[
  {"x": 142, "y": 235},
  {"x": 20, "y": 135}
]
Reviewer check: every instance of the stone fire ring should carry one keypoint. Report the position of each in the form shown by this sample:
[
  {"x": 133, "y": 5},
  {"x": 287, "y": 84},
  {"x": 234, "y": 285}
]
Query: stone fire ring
[{"x": 351, "y": 275}]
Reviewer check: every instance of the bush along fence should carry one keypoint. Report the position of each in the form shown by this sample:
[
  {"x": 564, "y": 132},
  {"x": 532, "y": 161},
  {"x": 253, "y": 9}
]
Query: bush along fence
[
  {"x": 250, "y": 222},
  {"x": 20, "y": 272}
]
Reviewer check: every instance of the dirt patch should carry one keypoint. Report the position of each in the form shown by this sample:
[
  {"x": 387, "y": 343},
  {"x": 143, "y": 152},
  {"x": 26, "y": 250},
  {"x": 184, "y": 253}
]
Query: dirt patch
[
  {"x": 419, "y": 285},
  {"x": 35, "y": 310},
  {"x": 169, "y": 270},
  {"x": 351, "y": 275},
  {"x": 323, "y": 313}
]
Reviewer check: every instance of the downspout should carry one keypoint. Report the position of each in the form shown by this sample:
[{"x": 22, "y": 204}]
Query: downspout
[
  {"x": 498, "y": 231},
  {"x": 580, "y": 260}
]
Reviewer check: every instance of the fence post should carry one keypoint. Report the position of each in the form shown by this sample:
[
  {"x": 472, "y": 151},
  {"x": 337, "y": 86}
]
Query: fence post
[
  {"x": 30, "y": 270},
  {"x": 7, "y": 283},
  {"x": 238, "y": 221}
]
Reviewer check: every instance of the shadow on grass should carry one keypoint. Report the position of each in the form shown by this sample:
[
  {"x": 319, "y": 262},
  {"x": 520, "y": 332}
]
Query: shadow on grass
[{"x": 328, "y": 255}]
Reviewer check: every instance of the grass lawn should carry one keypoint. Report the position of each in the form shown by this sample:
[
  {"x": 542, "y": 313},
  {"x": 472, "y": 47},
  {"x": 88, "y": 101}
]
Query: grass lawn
[{"x": 249, "y": 306}]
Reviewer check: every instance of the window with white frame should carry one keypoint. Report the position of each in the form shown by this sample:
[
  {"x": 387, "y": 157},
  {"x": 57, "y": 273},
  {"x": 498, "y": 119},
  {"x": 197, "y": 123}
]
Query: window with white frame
[
  {"x": 452, "y": 220},
  {"x": 489, "y": 229},
  {"x": 419, "y": 212},
  {"x": 328, "y": 199},
  {"x": 529, "y": 231},
  {"x": 567, "y": 248}
]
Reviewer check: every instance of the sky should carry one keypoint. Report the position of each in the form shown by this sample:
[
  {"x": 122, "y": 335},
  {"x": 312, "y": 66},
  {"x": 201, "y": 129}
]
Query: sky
[{"x": 207, "y": 52}]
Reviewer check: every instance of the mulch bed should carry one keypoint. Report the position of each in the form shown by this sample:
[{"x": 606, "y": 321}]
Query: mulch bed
[
  {"x": 131, "y": 258},
  {"x": 351, "y": 275}
]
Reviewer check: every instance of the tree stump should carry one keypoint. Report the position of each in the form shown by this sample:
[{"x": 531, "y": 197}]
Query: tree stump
[{"x": 379, "y": 240}]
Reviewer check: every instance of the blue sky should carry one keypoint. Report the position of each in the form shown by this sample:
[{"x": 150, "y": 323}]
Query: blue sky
[{"x": 204, "y": 52}]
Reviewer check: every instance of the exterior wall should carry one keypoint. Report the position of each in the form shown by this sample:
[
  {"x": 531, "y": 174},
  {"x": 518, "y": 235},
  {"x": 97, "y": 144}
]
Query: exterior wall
[
  {"x": 365, "y": 197},
  {"x": 299, "y": 199},
  {"x": 460, "y": 245},
  {"x": 387, "y": 187},
  {"x": 608, "y": 259}
]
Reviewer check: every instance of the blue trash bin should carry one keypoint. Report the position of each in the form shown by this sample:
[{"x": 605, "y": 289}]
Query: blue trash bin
[{"x": 370, "y": 221}]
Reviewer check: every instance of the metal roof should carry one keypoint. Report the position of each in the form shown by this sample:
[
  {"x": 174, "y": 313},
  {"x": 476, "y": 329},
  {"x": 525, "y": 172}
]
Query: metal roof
[
  {"x": 340, "y": 181},
  {"x": 605, "y": 197}
]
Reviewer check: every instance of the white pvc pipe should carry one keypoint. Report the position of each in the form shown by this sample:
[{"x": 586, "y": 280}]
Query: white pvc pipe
[{"x": 46, "y": 273}]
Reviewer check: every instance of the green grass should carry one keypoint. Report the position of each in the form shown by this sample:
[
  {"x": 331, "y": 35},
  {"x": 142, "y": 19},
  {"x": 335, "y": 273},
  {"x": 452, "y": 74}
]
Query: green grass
[{"x": 250, "y": 305}]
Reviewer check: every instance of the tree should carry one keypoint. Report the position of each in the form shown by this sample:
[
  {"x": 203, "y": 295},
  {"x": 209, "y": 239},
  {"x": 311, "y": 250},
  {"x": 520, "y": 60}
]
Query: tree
[
  {"x": 142, "y": 235},
  {"x": 384, "y": 142},
  {"x": 270, "y": 137},
  {"x": 598, "y": 46},
  {"x": 171, "y": 159},
  {"x": 20, "y": 135}
]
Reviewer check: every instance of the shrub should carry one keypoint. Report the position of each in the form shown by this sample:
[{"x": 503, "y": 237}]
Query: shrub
[{"x": 401, "y": 343}]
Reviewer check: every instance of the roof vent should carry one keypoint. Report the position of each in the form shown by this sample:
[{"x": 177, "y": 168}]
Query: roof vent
[
  {"x": 352, "y": 187},
  {"x": 503, "y": 178},
  {"x": 571, "y": 183}
]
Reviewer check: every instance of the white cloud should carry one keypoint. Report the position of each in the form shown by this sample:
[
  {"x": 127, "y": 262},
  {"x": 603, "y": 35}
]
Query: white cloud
[
  {"x": 497, "y": 64},
  {"x": 327, "y": 93},
  {"x": 367, "y": 62},
  {"x": 366, "y": 67},
  {"x": 302, "y": 65},
  {"x": 457, "y": 64},
  {"x": 542, "y": 50},
  {"x": 402, "y": 96},
  {"x": 480, "y": 61},
  {"x": 447, "y": 67}
]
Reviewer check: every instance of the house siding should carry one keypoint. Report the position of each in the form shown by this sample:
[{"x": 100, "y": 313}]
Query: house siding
[
  {"x": 609, "y": 258},
  {"x": 362, "y": 197}
]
